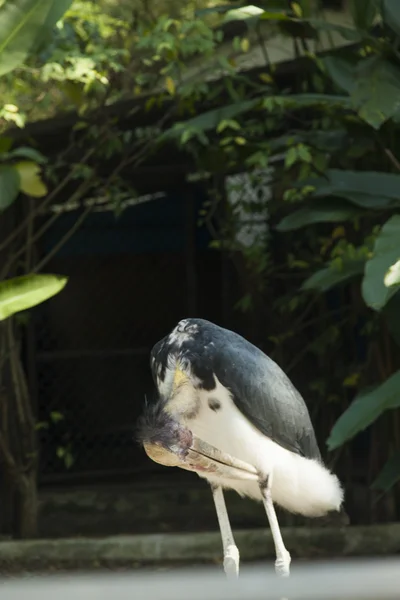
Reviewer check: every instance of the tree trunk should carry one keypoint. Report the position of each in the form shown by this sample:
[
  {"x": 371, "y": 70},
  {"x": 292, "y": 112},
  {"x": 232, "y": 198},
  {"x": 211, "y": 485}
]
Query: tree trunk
[
  {"x": 26, "y": 509},
  {"x": 18, "y": 443}
]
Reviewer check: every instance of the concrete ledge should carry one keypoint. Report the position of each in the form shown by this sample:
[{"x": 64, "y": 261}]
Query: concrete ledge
[{"x": 138, "y": 550}]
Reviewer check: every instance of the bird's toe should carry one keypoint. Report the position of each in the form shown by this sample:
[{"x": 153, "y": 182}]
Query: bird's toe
[
  {"x": 231, "y": 562},
  {"x": 282, "y": 565}
]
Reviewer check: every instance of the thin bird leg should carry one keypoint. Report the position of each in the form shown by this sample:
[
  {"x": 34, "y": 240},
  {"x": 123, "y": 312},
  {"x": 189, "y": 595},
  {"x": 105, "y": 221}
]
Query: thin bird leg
[
  {"x": 282, "y": 563},
  {"x": 231, "y": 552}
]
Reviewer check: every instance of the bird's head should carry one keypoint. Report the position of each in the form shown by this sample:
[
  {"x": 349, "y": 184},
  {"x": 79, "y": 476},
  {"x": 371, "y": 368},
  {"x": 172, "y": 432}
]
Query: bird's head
[{"x": 165, "y": 441}]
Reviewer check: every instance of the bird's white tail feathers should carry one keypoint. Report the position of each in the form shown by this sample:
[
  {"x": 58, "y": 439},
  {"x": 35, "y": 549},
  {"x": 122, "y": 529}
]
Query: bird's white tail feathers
[{"x": 305, "y": 486}]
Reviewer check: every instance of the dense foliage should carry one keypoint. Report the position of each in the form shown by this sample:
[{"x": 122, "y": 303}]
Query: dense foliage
[{"x": 321, "y": 133}]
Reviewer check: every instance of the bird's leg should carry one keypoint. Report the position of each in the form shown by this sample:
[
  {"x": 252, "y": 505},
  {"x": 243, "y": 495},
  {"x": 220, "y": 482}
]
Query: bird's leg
[
  {"x": 231, "y": 552},
  {"x": 282, "y": 563}
]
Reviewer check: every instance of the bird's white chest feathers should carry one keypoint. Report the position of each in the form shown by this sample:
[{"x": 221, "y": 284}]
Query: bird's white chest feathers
[
  {"x": 298, "y": 484},
  {"x": 220, "y": 423}
]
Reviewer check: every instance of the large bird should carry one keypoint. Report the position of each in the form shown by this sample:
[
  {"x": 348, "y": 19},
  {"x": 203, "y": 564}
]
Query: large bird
[{"x": 228, "y": 412}]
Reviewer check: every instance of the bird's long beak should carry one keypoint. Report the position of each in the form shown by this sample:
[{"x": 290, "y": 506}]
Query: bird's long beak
[{"x": 204, "y": 458}]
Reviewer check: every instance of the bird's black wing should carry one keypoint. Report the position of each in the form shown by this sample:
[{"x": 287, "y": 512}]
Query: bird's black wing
[{"x": 259, "y": 387}]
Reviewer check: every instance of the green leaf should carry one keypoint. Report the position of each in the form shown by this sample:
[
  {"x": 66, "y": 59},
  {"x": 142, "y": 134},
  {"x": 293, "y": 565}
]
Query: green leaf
[
  {"x": 318, "y": 212},
  {"x": 390, "y": 474},
  {"x": 376, "y": 94},
  {"x": 56, "y": 417},
  {"x": 9, "y": 186},
  {"x": 341, "y": 72},
  {"x": 252, "y": 14},
  {"x": 348, "y": 33},
  {"x": 22, "y": 23},
  {"x": 210, "y": 119},
  {"x": 330, "y": 277},
  {"x": 21, "y": 293},
  {"x": 386, "y": 252},
  {"x": 391, "y": 14},
  {"x": 363, "y": 13},
  {"x": 364, "y": 410},
  {"x": 372, "y": 84},
  {"x": 27, "y": 152},
  {"x": 30, "y": 179},
  {"x": 367, "y": 189}
]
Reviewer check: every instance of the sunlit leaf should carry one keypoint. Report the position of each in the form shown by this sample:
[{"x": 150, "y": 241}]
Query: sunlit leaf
[
  {"x": 27, "y": 291},
  {"x": 245, "y": 45},
  {"x": 364, "y": 410},
  {"x": 392, "y": 276},
  {"x": 9, "y": 186},
  {"x": 386, "y": 252},
  {"x": 296, "y": 8},
  {"x": 170, "y": 85},
  {"x": 30, "y": 179}
]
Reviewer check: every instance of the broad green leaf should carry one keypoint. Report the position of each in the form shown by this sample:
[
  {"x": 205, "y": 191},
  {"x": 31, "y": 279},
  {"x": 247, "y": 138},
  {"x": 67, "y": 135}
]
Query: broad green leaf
[
  {"x": 57, "y": 10},
  {"x": 303, "y": 100},
  {"x": 341, "y": 72},
  {"x": 373, "y": 85},
  {"x": 367, "y": 189},
  {"x": 9, "y": 186},
  {"x": 330, "y": 277},
  {"x": 318, "y": 212},
  {"x": 20, "y": 24},
  {"x": 385, "y": 253},
  {"x": 376, "y": 94},
  {"x": 349, "y": 34},
  {"x": 390, "y": 474},
  {"x": 210, "y": 120},
  {"x": 391, "y": 14},
  {"x": 364, "y": 410},
  {"x": 364, "y": 12},
  {"x": 27, "y": 152},
  {"x": 21, "y": 293},
  {"x": 30, "y": 180}
]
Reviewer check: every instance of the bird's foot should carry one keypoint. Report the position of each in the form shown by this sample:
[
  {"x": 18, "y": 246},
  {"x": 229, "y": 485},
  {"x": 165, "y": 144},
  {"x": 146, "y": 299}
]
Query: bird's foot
[
  {"x": 231, "y": 562},
  {"x": 282, "y": 564}
]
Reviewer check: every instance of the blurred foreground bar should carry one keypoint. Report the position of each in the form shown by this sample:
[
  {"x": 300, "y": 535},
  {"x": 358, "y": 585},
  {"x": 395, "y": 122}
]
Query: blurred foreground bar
[{"x": 336, "y": 580}]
